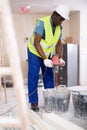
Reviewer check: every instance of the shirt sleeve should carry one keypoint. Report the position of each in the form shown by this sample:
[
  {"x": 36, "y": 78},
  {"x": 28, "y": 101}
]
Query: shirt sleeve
[{"x": 39, "y": 28}]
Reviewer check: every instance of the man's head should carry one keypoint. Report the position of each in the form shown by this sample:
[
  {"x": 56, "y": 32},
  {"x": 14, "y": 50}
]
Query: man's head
[{"x": 60, "y": 14}]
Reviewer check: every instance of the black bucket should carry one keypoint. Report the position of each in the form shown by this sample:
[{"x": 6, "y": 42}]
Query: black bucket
[{"x": 80, "y": 104}]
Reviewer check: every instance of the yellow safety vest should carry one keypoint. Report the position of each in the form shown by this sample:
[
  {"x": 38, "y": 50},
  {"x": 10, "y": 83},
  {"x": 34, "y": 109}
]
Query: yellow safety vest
[{"x": 48, "y": 44}]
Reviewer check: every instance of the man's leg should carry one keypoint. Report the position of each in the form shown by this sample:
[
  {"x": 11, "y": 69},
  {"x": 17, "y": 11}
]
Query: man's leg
[
  {"x": 33, "y": 76},
  {"x": 48, "y": 76}
]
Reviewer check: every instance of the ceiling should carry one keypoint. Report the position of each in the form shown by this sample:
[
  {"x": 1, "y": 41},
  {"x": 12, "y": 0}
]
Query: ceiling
[{"x": 46, "y": 6}]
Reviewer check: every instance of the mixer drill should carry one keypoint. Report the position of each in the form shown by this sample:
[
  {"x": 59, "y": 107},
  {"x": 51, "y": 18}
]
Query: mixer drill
[{"x": 56, "y": 64}]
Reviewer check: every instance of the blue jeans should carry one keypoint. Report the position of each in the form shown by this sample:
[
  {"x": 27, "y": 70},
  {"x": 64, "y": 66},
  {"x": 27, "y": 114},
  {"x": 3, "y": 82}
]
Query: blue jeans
[{"x": 34, "y": 64}]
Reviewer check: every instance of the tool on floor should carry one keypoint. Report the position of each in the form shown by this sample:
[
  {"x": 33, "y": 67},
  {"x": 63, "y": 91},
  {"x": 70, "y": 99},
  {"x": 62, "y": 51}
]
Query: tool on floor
[{"x": 56, "y": 64}]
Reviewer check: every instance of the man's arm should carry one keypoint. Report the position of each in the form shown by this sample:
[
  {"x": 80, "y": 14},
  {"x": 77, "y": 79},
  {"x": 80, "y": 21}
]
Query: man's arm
[
  {"x": 37, "y": 39},
  {"x": 59, "y": 52},
  {"x": 59, "y": 49},
  {"x": 38, "y": 47}
]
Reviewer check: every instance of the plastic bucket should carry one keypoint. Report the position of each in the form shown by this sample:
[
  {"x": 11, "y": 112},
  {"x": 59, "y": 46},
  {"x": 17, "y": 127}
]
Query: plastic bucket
[
  {"x": 61, "y": 102},
  {"x": 48, "y": 99},
  {"x": 61, "y": 99},
  {"x": 80, "y": 104},
  {"x": 56, "y": 100}
]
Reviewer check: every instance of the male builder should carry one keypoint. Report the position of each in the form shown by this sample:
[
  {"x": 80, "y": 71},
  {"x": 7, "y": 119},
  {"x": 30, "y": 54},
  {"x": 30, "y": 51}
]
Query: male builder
[{"x": 41, "y": 46}]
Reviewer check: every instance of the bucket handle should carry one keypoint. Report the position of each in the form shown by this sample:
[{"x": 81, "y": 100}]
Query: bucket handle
[
  {"x": 76, "y": 92},
  {"x": 62, "y": 86}
]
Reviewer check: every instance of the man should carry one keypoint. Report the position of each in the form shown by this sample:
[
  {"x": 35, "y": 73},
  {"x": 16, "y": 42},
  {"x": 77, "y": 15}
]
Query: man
[{"x": 41, "y": 47}]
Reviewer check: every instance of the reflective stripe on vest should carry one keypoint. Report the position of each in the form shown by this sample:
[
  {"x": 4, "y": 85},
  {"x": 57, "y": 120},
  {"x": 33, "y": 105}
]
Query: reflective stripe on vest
[{"x": 48, "y": 44}]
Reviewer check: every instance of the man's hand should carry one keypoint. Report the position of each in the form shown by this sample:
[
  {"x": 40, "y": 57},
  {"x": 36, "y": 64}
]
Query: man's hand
[
  {"x": 62, "y": 62},
  {"x": 48, "y": 63}
]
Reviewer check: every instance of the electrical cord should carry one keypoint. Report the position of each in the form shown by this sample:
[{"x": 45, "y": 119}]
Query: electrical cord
[
  {"x": 3, "y": 113},
  {"x": 9, "y": 110},
  {"x": 37, "y": 88}
]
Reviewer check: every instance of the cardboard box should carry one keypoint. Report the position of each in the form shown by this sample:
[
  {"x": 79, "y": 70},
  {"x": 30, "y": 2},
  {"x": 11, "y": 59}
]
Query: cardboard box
[{"x": 68, "y": 40}]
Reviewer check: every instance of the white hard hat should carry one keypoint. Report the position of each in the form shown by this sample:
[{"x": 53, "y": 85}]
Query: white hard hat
[{"x": 63, "y": 11}]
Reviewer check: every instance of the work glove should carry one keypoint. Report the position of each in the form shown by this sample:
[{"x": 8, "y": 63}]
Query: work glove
[
  {"x": 62, "y": 62},
  {"x": 48, "y": 63}
]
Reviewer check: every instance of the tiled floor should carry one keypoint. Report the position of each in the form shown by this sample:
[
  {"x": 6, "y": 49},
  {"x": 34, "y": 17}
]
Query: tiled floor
[{"x": 10, "y": 108}]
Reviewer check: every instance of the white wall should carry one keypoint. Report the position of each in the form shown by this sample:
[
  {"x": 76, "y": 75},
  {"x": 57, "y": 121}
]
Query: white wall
[
  {"x": 65, "y": 30},
  {"x": 83, "y": 48},
  {"x": 24, "y": 25},
  {"x": 75, "y": 26}
]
